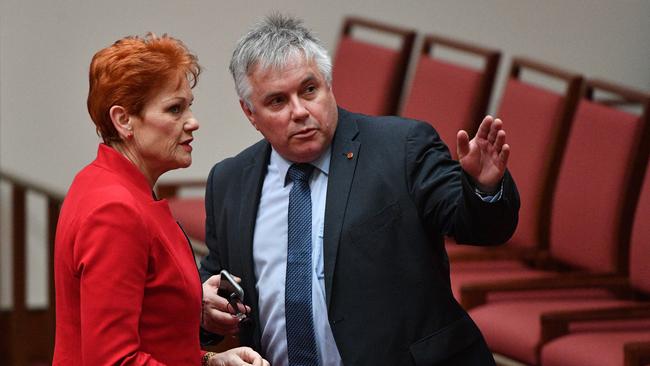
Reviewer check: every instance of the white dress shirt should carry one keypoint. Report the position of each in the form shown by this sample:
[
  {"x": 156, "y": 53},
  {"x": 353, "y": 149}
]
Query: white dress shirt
[{"x": 270, "y": 258}]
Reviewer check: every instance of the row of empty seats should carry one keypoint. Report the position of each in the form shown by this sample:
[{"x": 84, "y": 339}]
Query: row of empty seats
[
  {"x": 592, "y": 255},
  {"x": 572, "y": 286},
  {"x": 368, "y": 78}
]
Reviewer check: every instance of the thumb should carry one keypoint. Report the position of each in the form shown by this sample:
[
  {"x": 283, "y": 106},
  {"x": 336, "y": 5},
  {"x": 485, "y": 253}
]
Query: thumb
[
  {"x": 213, "y": 281},
  {"x": 462, "y": 144}
]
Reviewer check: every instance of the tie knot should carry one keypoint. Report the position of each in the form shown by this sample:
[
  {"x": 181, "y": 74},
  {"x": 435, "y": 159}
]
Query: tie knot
[{"x": 300, "y": 172}]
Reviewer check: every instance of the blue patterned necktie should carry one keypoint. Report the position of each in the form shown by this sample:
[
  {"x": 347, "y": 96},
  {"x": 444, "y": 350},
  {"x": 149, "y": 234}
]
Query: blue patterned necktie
[{"x": 301, "y": 342}]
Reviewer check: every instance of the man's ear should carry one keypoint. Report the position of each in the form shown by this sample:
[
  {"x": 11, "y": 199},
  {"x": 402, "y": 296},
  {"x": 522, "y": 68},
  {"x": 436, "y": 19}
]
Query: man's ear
[
  {"x": 248, "y": 112},
  {"x": 121, "y": 121}
]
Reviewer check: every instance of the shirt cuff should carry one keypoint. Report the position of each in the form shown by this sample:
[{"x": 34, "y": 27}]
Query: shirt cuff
[{"x": 489, "y": 197}]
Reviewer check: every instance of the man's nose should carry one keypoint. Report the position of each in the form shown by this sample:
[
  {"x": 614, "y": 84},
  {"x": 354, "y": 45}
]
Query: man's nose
[{"x": 298, "y": 110}]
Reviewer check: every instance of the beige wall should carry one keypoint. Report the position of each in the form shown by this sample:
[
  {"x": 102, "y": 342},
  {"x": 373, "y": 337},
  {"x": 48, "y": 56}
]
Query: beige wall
[{"x": 46, "y": 46}]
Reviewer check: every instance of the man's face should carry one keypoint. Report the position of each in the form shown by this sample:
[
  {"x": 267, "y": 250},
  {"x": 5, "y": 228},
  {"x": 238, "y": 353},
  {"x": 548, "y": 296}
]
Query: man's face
[{"x": 294, "y": 109}]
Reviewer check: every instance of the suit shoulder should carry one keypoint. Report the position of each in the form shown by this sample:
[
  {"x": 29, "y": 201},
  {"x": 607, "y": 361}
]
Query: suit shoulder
[
  {"x": 246, "y": 157},
  {"x": 392, "y": 125}
]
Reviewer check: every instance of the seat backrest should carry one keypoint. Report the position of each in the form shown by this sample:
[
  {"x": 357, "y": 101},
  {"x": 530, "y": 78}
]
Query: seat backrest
[
  {"x": 366, "y": 77},
  {"x": 537, "y": 120},
  {"x": 190, "y": 213},
  {"x": 640, "y": 239},
  {"x": 599, "y": 181},
  {"x": 450, "y": 95}
]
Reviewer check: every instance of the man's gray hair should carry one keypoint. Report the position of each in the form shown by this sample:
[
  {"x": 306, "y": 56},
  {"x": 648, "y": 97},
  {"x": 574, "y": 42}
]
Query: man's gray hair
[{"x": 275, "y": 42}]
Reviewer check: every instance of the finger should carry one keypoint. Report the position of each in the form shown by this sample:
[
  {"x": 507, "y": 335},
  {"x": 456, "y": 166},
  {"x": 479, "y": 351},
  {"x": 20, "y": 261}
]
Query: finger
[
  {"x": 221, "y": 317},
  {"x": 220, "y": 322},
  {"x": 258, "y": 361},
  {"x": 505, "y": 154},
  {"x": 462, "y": 144},
  {"x": 494, "y": 130},
  {"x": 213, "y": 300},
  {"x": 247, "y": 354},
  {"x": 240, "y": 306},
  {"x": 500, "y": 140},
  {"x": 484, "y": 128}
]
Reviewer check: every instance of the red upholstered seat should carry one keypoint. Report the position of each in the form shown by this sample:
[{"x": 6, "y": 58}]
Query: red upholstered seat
[
  {"x": 190, "y": 213},
  {"x": 367, "y": 77},
  {"x": 513, "y": 328},
  {"x": 601, "y": 343},
  {"x": 537, "y": 121},
  {"x": 593, "y": 349},
  {"x": 449, "y": 95},
  {"x": 591, "y": 187},
  {"x": 593, "y": 205}
]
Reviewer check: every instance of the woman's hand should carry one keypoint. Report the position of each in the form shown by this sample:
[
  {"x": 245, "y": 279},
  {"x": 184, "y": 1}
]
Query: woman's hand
[{"x": 240, "y": 356}]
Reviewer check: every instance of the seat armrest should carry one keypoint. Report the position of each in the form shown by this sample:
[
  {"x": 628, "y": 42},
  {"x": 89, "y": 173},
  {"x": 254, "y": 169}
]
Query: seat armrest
[
  {"x": 476, "y": 294},
  {"x": 556, "y": 324},
  {"x": 636, "y": 353}
]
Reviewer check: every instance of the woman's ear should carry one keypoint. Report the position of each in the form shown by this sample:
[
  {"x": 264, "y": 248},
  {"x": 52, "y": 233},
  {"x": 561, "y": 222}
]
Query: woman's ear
[{"x": 121, "y": 121}]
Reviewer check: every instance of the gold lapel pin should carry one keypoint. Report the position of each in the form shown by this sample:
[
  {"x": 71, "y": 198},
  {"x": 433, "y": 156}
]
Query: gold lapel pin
[{"x": 349, "y": 155}]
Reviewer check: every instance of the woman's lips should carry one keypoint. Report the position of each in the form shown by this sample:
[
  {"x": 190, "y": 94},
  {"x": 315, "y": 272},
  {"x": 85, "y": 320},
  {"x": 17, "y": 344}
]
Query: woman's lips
[{"x": 186, "y": 145}]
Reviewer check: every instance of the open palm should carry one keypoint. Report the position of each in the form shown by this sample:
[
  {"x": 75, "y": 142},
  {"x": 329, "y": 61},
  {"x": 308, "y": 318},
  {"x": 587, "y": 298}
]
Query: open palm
[{"x": 484, "y": 158}]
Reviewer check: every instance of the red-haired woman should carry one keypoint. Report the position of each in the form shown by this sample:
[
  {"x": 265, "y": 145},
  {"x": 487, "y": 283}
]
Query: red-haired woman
[{"x": 127, "y": 287}]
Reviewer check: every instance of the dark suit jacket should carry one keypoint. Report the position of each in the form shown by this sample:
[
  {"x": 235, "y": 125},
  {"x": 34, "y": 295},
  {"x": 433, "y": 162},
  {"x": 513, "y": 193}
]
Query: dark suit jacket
[{"x": 386, "y": 270}]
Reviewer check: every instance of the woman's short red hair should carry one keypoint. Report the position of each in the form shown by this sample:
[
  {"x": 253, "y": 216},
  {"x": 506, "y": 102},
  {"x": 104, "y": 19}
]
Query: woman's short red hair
[{"x": 129, "y": 72}]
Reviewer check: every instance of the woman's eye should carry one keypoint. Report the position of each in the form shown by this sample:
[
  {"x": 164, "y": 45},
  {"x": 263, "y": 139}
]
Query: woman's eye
[{"x": 175, "y": 109}]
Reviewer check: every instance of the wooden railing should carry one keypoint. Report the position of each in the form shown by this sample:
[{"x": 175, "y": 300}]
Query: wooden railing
[
  {"x": 28, "y": 334},
  {"x": 28, "y": 337}
]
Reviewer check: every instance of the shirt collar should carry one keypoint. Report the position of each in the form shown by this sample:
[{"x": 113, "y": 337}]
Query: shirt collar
[{"x": 282, "y": 164}]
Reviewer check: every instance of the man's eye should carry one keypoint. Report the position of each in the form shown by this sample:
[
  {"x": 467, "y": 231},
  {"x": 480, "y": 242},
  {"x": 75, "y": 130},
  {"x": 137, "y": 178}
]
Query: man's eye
[
  {"x": 175, "y": 109},
  {"x": 310, "y": 89},
  {"x": 276, "y": 101}
]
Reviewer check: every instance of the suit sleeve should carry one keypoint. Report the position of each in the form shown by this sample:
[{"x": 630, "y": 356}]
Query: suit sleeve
[
  {"x": 210, "y": 264},
  {"x": 445, "y": 198},
  {"x": 111, "y": 256}
]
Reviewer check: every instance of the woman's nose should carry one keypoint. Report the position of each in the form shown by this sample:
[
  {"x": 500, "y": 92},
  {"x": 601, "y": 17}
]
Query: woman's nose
[{"x": 192, "y": 124}]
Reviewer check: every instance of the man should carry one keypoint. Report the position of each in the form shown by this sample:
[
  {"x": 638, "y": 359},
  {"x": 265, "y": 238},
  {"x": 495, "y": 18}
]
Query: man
[{"x": 378, "y": 193}]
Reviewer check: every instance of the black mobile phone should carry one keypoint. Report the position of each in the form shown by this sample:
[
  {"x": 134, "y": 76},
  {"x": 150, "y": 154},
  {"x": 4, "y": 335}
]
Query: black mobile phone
[
  {"x": 229, "y": 288},
  {"x": 234, "y": 293}
]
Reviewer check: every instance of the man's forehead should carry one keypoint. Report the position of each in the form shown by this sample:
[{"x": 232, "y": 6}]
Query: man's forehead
[{"x": 262, "y": 70}]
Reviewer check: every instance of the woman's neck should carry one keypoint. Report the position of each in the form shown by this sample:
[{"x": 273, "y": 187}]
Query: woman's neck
[{"x": 128, "y": 152}]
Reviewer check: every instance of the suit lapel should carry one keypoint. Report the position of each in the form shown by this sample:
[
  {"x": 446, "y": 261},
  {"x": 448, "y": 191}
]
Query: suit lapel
[{"x": 342, "y": 166}]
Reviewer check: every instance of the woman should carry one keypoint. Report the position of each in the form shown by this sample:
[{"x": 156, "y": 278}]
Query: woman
[{"x": 127, "y": 287}]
